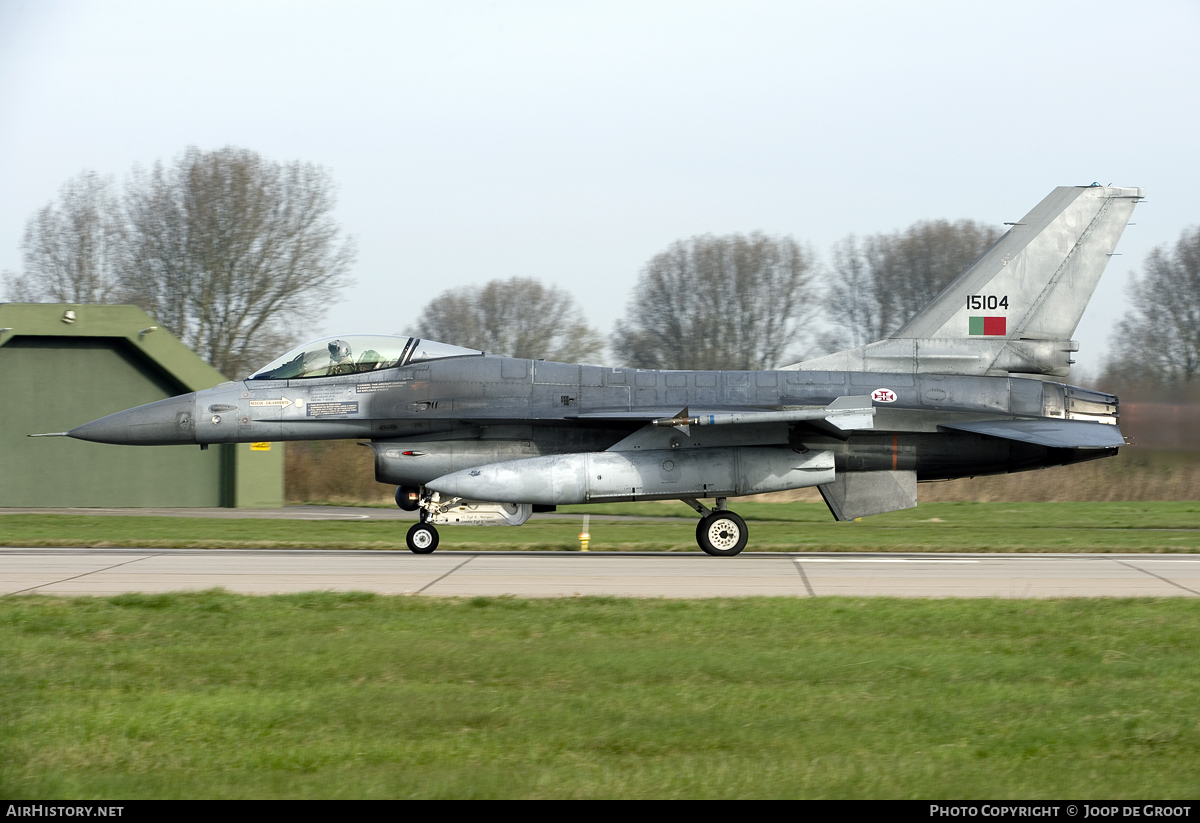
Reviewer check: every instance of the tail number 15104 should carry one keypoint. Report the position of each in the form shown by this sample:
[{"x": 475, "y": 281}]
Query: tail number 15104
[{"x": 987, "y": 301}]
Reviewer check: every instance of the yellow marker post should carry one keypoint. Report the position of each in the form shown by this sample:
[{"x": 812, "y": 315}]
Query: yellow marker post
[{"x": 584, "y": 537}]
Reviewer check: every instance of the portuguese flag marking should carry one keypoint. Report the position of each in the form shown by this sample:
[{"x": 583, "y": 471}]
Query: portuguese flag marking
[{"x": 990, "y": 326}]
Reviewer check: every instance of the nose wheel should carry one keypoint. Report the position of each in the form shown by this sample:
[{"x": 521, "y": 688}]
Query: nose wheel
[{"x": 422, "y": 539}]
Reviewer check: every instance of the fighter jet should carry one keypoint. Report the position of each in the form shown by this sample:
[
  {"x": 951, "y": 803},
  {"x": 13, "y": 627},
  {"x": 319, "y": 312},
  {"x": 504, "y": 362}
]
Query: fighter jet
[{"x": 969, "y": 386}]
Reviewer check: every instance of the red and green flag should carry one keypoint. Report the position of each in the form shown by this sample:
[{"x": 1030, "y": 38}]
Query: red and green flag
[{"x": 989, "y": 326}]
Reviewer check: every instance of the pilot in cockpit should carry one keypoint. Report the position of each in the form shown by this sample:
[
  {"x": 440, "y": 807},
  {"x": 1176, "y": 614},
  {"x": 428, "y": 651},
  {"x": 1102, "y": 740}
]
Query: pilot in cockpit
[{"x": 340, "y": 357}]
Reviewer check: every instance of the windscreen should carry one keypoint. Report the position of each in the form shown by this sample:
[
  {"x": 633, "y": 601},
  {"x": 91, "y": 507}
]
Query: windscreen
[{"x": 355, "y": 354}]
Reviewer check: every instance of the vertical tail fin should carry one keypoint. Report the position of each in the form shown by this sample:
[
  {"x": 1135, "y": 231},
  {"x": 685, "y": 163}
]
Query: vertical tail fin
[
  {"x": 1045, "y": 269},
  {"x": 1015, "y": 309}
]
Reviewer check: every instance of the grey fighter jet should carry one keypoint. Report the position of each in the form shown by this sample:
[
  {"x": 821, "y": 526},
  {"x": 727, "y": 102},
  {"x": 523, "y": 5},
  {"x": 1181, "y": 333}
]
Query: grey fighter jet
[{"x": 969, "y": 386}]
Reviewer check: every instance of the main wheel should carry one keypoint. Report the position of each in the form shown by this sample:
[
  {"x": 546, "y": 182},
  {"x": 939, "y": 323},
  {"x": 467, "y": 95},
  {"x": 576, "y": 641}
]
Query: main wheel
[
  {"x": 722, "y": 534},
  {"x": 422, "y": 539}
]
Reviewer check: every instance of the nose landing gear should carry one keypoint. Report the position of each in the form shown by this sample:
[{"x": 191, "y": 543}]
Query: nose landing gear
[
  {"x": 720, "y": 532},
  {"x": 423, "y": 537}
]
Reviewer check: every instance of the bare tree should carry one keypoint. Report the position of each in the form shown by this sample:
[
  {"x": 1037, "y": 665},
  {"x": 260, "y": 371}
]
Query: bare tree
[
  {"x": 852, "y": 295},
  {"x": 67, "y": 249},
  {"x": 1158, "y": 340},
  {"x": 518, "y": 317},
  {"x": 232, "y": 253},
  {"x": 730, "y": 302},
  {"x": 879, "y": 283}
]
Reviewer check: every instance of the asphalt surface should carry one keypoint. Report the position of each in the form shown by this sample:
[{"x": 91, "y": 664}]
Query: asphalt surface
[{"x": 567, "y": 574}]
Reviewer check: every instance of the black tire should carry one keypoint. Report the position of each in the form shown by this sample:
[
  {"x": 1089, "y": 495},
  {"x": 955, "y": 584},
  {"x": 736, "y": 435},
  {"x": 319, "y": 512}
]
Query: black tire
[
  {"x": 408, "y": 498},
  {"x": 722, "y": 534},
  {"x": 422, "y": 539}
]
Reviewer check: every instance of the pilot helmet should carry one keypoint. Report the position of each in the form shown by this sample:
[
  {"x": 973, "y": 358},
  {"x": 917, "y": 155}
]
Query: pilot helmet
[{"x": 339, "y": 350}]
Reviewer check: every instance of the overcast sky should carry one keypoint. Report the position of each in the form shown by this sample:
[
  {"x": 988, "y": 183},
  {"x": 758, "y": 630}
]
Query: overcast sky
[{"x": 572, "y": 141}]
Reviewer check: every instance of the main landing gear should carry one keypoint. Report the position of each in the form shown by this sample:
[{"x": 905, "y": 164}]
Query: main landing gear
[{"x": 720, "y": 532}]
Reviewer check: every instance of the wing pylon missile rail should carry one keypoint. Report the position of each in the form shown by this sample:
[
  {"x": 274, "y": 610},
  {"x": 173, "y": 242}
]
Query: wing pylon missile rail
[{"x": 846, "y": 413}]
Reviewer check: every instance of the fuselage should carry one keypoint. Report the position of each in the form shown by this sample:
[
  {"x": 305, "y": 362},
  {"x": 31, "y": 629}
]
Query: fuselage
[{"x": 427, "y": 419}]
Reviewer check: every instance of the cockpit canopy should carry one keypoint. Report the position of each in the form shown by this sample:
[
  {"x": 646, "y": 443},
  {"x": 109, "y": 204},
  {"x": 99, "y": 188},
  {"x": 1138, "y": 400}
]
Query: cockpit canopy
[{"x": 354, "y": 354}]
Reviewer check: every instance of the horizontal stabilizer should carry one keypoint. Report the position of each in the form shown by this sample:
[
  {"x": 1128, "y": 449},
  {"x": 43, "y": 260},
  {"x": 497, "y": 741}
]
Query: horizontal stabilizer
[
  {"x": 859, "y": 494},
  {"x": 1058, "y": 434}
]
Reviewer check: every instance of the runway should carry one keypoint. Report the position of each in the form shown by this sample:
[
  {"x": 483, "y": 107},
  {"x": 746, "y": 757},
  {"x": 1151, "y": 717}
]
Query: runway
[{"x": 103, "y": 572}]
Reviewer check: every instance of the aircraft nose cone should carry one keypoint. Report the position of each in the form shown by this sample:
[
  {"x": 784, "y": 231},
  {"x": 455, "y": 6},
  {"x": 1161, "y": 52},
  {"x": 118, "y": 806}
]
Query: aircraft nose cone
[{"x": 164, "y": 423}]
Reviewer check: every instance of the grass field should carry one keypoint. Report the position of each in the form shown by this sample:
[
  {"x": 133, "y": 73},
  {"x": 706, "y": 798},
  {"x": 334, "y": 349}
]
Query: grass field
[
  {"x": 351, "y": 695},
  {"x": 935, "y": 527}
]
